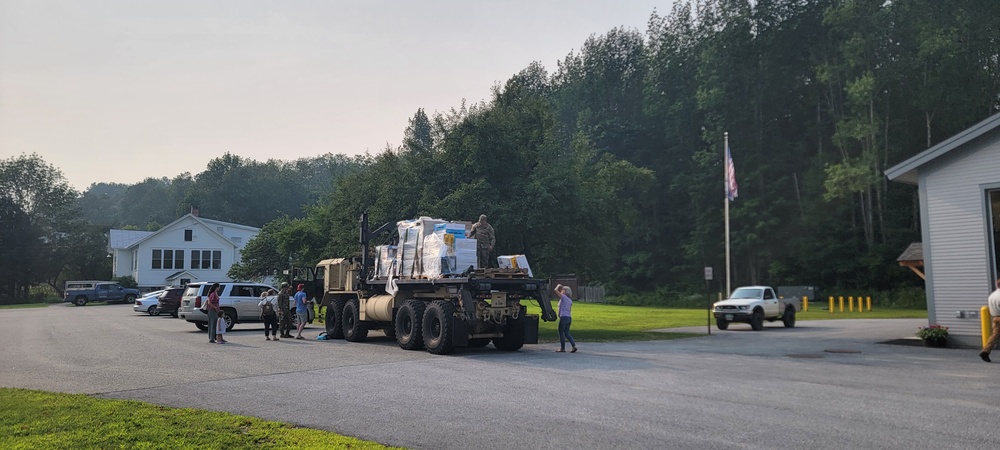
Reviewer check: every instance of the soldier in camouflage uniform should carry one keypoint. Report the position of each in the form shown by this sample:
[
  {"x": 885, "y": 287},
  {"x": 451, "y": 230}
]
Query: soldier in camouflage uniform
[
  {"x": 485, "y": 238},
  {"x": 284, "y": 315}
]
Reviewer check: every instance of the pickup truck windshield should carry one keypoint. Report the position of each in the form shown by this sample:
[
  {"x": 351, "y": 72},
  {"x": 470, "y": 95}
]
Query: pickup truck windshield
[{"x": 747, "y": 293}]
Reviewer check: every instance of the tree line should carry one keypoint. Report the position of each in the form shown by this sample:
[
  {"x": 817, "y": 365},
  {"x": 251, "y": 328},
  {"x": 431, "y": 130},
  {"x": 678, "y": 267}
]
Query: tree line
[{"x": 610, "y": 166}]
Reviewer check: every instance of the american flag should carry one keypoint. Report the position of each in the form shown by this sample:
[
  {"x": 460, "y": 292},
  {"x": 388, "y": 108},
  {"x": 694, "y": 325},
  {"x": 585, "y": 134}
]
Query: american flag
[{"x": 732, "y": 189}]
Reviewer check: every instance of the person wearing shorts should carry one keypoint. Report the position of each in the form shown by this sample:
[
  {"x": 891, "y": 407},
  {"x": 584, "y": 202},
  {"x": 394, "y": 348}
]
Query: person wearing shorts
[{"x": 301, "y": 312}]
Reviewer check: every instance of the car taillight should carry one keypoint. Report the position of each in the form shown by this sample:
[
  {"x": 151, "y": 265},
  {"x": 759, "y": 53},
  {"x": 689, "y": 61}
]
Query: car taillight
[
  {"x": 197, "y": 302},
  {"x": 137, "y": 302}
]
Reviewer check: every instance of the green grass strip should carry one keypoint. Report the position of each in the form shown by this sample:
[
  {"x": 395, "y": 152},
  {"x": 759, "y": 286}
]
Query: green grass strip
[
  {"x": 42, "y": 420},
  {"x": 25, "y": 305},
  {"x": 596, "y": 322}
]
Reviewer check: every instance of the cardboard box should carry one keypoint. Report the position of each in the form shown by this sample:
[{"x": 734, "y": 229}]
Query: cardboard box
[{"x": 514, "y": 262}]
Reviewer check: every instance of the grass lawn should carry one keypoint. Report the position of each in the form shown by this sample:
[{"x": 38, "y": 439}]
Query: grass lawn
[
  {"x": 596, "y": 322},
  {"x": 35, "y": 419}
]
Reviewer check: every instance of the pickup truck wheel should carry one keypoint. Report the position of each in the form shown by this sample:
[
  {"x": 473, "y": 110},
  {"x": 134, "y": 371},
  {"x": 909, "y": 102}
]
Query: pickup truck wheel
[
  {"x": 439, "y": 327},
  {"x": 354, "y": 329},
  {"x": 174, "y": 314},
  {"x": 335, "y": 318},
  {"x": 153, "y": 311},
  {"x": 130, "y": 299},
  {"x": 723, "y": 324},
  {"x": 757, "y": 320},
  {"x": 201, "y": 326},
  {"x": 230, "y": 317},
  {"x": 409, "y": 325},
  {"x": 789, "y": 318},
  {"x": 80, "y": 301}
]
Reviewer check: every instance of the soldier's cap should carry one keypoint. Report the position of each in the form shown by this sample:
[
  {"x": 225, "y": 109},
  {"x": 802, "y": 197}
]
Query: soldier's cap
[{"x": 284, "y": 284}]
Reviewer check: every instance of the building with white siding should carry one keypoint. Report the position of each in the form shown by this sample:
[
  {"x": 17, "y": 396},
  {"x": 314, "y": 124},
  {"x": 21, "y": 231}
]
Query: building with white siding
[
  {"x": 958, "y": 182},
  {"x": 189, "y": 249}
]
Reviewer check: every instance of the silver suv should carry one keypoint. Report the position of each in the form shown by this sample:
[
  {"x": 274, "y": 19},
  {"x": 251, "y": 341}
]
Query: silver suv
[{"x": 238, "y": 301}]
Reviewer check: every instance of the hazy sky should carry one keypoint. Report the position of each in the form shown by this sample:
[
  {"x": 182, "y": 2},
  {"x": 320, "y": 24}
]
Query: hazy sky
[{"x": 119, "y": 91}]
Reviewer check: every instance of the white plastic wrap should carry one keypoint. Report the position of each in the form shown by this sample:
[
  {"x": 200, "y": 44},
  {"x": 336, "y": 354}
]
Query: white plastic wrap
[
  {"x": 406, "y": 254},
  {"x": 438, "y": 255},
  {"x": 465, "y": 255},
  {"x": 383, "y": 262}
]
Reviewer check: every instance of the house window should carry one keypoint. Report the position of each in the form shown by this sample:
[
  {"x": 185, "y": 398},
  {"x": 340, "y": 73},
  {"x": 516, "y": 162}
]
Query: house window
[
  {"x": 237, "y": 240},
  {"x": 188, "y": 235},
  {"x": 219, "y": 229},
  {"x": 185, "y": 281},
  {"x": 206, "y": 259},
  {"x": 168, "y": 259}
]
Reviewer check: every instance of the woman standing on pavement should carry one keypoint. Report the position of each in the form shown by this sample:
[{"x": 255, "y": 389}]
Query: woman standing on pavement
[
  {"x": 565, "y": 317},
  {"x": 213, "y": 312},
  {"x": 269, "y": 314}
]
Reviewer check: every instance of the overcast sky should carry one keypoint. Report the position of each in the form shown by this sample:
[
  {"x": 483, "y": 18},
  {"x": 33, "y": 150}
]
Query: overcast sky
[{"x": 119, "y": 91}]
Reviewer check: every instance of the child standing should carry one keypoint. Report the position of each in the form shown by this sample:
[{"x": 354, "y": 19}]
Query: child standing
[{"x": 220, "y": 329}]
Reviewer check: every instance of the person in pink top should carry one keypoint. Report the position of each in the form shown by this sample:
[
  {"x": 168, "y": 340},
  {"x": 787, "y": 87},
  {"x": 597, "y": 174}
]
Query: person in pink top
[
  {"x": 213, "y": 315},
  {"x": 565, "y": 317}
]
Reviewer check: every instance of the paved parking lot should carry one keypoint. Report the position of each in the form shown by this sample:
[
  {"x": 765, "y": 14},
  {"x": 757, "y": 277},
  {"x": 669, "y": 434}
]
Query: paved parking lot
[{"x": 779, "y": 388}]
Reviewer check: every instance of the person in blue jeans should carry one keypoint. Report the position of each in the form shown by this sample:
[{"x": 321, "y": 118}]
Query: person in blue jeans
[
  {"x": 565, "y": 317},
  {"x": 301, "y": 311}
]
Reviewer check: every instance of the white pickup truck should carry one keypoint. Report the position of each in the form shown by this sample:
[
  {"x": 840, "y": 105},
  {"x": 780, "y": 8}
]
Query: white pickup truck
[{"x": 754, "y": 305}]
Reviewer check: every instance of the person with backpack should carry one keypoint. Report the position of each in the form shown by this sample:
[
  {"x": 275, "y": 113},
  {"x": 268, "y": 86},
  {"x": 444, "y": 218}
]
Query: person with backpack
[{"x": 269, "y": 314}]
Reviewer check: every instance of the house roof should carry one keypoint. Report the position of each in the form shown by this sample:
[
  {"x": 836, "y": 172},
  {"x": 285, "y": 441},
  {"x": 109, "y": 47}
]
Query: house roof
[
  {"x": 906, "y": 171},
  {"x": 177, "y": 275},
  {"x": 120, "y": 239},
  {"x": 209, "y": 225},
  {"x": 915, "y": 252}
]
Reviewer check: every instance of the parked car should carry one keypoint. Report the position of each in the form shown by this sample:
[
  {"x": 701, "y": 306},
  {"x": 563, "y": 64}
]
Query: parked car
[
  {"x": 238, "y": 301},
  {"x": 148, "y": 303},
  {"x": 106, "y": 291},
  {"x": 170, "y": 301}
]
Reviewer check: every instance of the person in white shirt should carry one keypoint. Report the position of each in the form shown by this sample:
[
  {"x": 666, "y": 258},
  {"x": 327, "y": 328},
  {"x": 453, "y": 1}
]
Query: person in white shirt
[
  {"x": 269, "y": 314},
  {"x": 994, "y": 303}
]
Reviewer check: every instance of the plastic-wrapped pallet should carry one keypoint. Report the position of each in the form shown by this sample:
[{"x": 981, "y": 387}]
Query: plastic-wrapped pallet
[
  {"x": 383, "y": 263},
  {"x": 406, "y": 253},
  {"x": 515, "y": 262},
  {"x": 438, "y": 255}
]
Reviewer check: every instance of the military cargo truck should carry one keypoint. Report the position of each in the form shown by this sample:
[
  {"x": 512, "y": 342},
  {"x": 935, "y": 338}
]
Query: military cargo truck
[{"x": 472, "y": 308}]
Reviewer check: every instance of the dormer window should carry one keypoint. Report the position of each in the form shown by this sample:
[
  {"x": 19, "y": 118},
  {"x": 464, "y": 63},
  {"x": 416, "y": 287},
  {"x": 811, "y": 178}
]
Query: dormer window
[{"x": 188, "y": 235}]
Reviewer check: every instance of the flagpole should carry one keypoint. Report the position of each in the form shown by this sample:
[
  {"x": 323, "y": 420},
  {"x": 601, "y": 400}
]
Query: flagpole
[{"x": 725, "y": 166}]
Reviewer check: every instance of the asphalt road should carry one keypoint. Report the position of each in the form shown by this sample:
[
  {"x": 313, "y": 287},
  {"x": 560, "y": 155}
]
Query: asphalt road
[{"x": 824, "y": 384}]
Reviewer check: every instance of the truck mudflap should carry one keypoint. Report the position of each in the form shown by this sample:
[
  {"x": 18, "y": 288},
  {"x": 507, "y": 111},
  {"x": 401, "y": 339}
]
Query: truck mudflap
[
  {"x": 460, "y": 338},
  {"x": 530, "y": 328}
]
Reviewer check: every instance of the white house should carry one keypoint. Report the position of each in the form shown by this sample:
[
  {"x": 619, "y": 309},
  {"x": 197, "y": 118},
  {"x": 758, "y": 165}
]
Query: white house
[
  {"x": 189, "y": 249},
  {"x": 958, "y": 183}
]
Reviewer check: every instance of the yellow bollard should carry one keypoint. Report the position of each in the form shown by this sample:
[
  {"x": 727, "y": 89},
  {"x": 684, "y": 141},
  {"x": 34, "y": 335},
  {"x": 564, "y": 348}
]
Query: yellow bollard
[
  {"x": 869, "y": 300},
  {"x": 841, "y": 298},
  {"x": 861, "y": 306},
  {"x": 850, "y": 303},
  {"x": 986, "y": 323},
  {"x": 805, "y": 303},
  {"x": 831, "y": 304}
]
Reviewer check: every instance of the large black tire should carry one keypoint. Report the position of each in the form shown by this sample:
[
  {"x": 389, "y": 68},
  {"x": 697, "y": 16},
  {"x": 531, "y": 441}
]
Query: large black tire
[
  {"x": 409, "y": 325},
  {"x": 335, "y": 319},
  {"x": 354, "y": 329},
  {"x": 479, "y": 342},
  {"x": 789, "y": 317},
  {"x": 439, "y": 327},
  {"x": 130, "y": 299},
  {"x": 513, "y": 336},
  {"x": 174, "y": 314},
  {"x": 153, "y": 311},
  {"x": 723, "y": 324},
  {"x": 203, "y": 326},
  {"x": 229, "y": 315},
  {"x": 757, "y": 320},
  {"x": 80, "y": 300}
]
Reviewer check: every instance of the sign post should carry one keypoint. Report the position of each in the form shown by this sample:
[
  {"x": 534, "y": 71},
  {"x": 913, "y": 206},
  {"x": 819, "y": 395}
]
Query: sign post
[{"x": 708, "y": 296}]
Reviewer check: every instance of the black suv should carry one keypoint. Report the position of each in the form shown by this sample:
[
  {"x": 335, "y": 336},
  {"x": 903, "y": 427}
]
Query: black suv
[{"x": 170, "y": 301}]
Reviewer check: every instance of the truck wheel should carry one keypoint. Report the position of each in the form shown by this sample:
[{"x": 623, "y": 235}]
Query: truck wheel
[
  {"x": 80, "y": 301},
  {"x": 757, "y": 320},
  {"x": 335, "y": 319},
  {"x": 789, "y": 318},
  {"x": 439, "y": 327},
  {"x": 409, "y": 325},
  {"x": 513, "y": 336},
  {"x": 230, "y": 317},
  {"x": 723, "y": 324},
  {"x": 354, "y": 329},
  {"x": 201, "y": 326},
  {"x": 478, "y": 342},
  {"x": 130, "y": 299}
]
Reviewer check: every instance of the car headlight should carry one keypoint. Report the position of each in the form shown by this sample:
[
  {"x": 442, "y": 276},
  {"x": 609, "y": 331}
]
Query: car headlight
[{"x": 743, "y": 308}]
